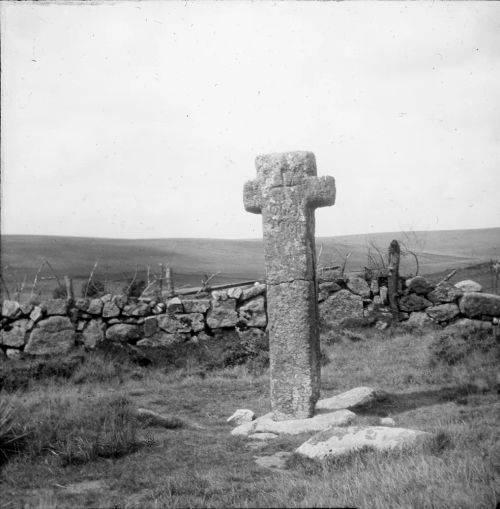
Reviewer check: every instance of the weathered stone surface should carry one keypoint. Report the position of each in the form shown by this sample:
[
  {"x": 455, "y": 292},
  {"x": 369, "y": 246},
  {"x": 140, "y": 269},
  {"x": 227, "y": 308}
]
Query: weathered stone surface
[
  {"x": 419, "y": 285},
  {"x": 159, "y": 308},
  {"x": 474, "y": 304},
  {"x": 181, "y": 322},
  {"x": 123, "y": 332},
  {"x": 37, "y": 314},
  {"x": 53, "y": 335},
  {"x": 253, "y": 291},
  {"x": 110, "y": 310},
  {"x": 355, "y": 398},
  {"x": 175, "y": 305},
  {"x": 82, "y": 304},
  {"x": 475, "y": 324},
  {"x": 253, "y": 312},
  {"x": 219, "y": 295},
  {"x": 296, "y": 426},
  {"x": 444, "y": 292},
  {"x": 95, "y": 307},
  {"x": 413, "y": 302},
  {"x": 293, "y": 349},
  {"x": 162, "y": 339},
  {"x": 241, "y": 416},
  {"x": 93, "y": 334},
  {"x": 387, "y": 421},
  {"x": 55, "y": 307},
  {"x": 11, "y": 309},
  {"x": 137, "y": 309},
  {"x": 120, "y": 300},
  {"x": 326, "y": 288},
  {"x": 235, "y": 293},
  {"x": 262, "y": 436},
  {"x": 150, "y": 326},
  {"x": 222, "y": 314},
  {"x": 358, "y": 286},
  {"x": 26, "y": 308},
  {"x": 420, "y": 319},
  {"x": 12, "y": 353},
  {"x": 443, "y": 312},
  {"x": 248, "y": 428},
  {"x": 340, "y": 441},
  {"x": 469, "y": 286},
  {"x": 286, "y": 192},
  {"x": 16, "y": 336},
  {"x": 196, "y": 305},
  {"x": 339, "y": 306}
]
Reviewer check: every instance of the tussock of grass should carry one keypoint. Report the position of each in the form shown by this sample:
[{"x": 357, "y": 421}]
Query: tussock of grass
[{"x": 76, "y": 430}]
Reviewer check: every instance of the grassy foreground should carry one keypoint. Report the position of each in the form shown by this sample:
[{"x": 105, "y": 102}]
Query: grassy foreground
[{"x": 79, "y": 444}]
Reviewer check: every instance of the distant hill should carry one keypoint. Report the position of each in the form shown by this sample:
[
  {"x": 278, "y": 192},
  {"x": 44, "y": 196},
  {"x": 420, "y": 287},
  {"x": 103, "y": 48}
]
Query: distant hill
[{"x": 235, "y": 259}]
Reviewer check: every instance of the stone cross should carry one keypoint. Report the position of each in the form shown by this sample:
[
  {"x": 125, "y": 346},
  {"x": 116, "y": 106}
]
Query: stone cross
[{"x": 286, "y": 192}]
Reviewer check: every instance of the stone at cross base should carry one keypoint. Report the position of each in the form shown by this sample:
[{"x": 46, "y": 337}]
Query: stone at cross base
[{"x": 286, "y": 192}]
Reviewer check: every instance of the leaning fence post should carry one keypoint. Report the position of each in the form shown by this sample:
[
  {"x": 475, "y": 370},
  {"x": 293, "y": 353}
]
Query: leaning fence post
[
  {"x": 169, "y": 280},
  {"x": 70, "y": 296},
  {"x": 393, "y": 275}
]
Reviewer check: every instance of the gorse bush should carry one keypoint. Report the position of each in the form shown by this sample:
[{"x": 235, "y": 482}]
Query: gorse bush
[
  {"x": 59, "y": 293},
  {"x": 93, "y": 289},
  {"x": 134, "y": 288},
  {"x": 457, "y": 344}
]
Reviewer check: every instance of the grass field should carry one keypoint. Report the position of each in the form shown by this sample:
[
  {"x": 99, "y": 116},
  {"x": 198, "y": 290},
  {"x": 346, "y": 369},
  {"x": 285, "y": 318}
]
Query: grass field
[
  {"x": 75, "y": 456},
  {"x": 234, "y": 260}
]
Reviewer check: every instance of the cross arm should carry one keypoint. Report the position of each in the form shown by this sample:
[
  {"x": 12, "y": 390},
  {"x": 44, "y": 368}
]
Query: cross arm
[
  {"x": 321, "y": 191},
  {"x": 252, "y": 197}
]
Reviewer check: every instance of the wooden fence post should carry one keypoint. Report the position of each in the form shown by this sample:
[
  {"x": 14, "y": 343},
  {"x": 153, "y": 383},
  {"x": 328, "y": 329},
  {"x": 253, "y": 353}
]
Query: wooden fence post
[
  {"x": 169, "y": 280},
  {"x": 70, "y": 296},
  {"x": 393, "y": 275}
]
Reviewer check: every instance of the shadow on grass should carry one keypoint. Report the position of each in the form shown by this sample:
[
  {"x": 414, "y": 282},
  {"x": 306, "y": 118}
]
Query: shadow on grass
[{"x": 395, "y": 403}]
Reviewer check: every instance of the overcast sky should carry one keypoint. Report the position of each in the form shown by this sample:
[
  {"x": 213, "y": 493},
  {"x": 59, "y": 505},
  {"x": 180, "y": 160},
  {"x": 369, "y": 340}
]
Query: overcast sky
[{"x": 141, "y": 119}]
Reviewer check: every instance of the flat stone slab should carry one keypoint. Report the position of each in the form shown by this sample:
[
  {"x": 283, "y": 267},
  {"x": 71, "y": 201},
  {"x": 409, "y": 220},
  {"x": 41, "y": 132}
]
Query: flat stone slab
[
  {"x": 360, "y": 396},
  {"x": 266, "y": 424},
  {"x": 336, "y": 442},
  {"x": 296, "y": 426},
  {"x": 262, "y": 436}
]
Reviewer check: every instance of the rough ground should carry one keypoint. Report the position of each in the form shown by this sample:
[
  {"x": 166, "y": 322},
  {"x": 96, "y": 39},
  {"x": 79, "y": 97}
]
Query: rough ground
[{"x": 206, "y": 467}]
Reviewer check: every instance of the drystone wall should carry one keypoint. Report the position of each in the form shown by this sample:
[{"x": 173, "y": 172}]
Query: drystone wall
[{"x": 57, "y": 325}]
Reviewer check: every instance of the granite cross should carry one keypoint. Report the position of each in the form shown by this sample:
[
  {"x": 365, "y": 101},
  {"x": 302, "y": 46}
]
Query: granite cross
[{"x": 286, "y": 192}]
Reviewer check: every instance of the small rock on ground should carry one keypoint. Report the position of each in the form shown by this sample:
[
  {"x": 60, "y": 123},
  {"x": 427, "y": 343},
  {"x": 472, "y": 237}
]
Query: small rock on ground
[{"x": 241, "y": 416}]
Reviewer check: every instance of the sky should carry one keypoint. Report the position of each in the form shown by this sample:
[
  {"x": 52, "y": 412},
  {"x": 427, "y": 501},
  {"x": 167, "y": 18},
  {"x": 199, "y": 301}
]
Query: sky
[{"x": 143, "y": 119}]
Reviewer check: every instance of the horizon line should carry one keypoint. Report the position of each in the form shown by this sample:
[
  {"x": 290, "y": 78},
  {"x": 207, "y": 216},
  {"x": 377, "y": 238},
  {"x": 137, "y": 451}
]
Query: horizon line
[{"x": 239, "y": 238}]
